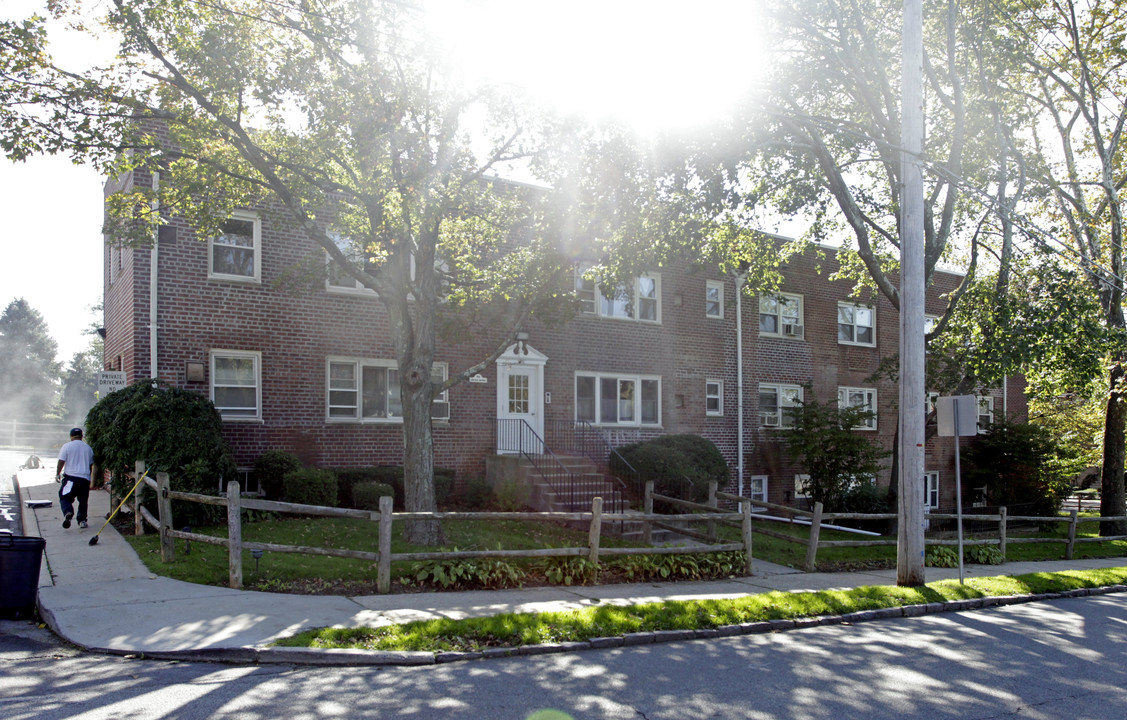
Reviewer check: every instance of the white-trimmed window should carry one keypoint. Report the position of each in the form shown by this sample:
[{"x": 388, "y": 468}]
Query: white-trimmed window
[
  {"x": 856, "y": 324},
  {"x": 236, "y": 387},
  {"x": 930, "y": 323},
  {"x": 713, "y": 397},
  {"x": 338, "y": 280},
  {"x": 985, "y": 412},
  {"x": 802, "y": 486},
  {"x": 931, "y": 490},
  {"x": 757, "y": 490},
  {"x": 780, "y": 315},
  {"x": 638, "y": 300},
  {"x": 714, "y": 299},
  {"x": 864, "y": 398},
  {"x": 236, "y": 253},
  {"x": 777, "y": 404},
  {"x": 605, "y": 399},
  {"x": 931, "y": 402},
  {"x": 368, "y": 391}
]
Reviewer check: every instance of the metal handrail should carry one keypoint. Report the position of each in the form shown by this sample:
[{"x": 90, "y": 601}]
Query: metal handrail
[
  {"x": 579, "y": 432},
  {"x": 525, "y": 431}
]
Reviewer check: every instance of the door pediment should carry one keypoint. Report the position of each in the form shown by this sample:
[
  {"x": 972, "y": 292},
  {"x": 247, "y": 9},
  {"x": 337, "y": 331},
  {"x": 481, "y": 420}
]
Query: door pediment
[{"x": 522, "y": 354}]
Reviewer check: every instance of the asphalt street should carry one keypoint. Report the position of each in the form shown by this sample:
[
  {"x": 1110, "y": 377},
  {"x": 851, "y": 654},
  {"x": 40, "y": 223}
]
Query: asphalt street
[{"x": 1056, "y": 659}]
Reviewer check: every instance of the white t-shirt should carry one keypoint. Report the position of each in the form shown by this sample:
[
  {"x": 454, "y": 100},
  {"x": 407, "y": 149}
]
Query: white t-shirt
[{"x": 77, "y": 458}]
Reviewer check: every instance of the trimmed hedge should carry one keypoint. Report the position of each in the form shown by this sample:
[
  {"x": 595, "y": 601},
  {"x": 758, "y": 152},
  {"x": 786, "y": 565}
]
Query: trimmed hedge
[
  {"x": 174, "y": 430},
  {"x": 311, "y": 486},
  {"x": 270, "y": 469},
  {"x": 393, "y": 476},
  {"x": 366, "y": 495},
  {"x": 681, "y": 466}
]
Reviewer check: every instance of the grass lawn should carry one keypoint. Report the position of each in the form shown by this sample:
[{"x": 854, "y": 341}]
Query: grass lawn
[
  {"x": 285, "y": 572},
  {"x": 207, "y": 564},
  {"x": 514, "y": 630}
]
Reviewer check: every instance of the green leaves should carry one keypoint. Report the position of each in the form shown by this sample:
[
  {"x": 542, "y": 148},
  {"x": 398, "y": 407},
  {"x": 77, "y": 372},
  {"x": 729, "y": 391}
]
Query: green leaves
[{"x": 832, "y": 453}]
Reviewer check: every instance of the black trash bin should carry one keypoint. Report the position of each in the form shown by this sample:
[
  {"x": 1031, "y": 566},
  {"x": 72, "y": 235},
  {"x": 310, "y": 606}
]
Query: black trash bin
[{"x": 20, "y": 558}]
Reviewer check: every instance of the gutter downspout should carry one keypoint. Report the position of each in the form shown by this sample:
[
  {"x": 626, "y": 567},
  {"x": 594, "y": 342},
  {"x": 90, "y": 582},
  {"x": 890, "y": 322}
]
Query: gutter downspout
[
  {"x": 153, "y": 265},
  {"x": 740, "y": 280}
]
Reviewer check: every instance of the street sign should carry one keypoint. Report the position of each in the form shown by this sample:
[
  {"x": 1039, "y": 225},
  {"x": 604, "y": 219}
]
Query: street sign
[
  {"x": 957, "y": 417},
  {"x": 110, "y": 381},
  {"x": 958, "y": 412}
]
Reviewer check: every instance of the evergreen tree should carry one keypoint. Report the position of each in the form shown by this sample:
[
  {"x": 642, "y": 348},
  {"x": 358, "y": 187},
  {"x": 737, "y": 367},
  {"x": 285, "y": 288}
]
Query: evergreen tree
[{"x": 29, "y": 381}]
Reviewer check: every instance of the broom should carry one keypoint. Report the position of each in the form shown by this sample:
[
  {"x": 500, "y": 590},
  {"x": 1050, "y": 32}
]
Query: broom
[{"x": 94, "y": 540}]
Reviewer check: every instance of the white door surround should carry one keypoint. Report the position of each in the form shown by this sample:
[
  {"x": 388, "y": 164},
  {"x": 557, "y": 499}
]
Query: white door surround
[{"x": 520, "y": 396}]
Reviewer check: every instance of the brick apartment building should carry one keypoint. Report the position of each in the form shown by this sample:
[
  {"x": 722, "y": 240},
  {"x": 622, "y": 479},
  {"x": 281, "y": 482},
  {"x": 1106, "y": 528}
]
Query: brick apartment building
[{"x": 314, "y": 373}]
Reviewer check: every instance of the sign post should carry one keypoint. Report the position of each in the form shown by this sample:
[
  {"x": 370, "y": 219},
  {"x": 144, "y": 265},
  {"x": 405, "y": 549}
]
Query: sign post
[{"x": 957, "y": 417}]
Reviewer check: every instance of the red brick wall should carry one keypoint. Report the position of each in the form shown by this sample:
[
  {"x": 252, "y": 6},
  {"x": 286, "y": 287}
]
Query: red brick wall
[{"x": 296, "y": 327}]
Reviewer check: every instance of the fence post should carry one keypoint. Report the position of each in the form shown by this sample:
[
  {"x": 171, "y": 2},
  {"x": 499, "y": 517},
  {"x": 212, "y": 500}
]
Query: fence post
[
  {"x": 711, "y": 525},
  {"x": 746, "y": 509},
  {"x": 1071, "y": 535},
  {"x": 383, "y": 572},
  {"x": 164, "y": 517},
  {"x": 1002, "y": 522},
  {"x": 138, "y": 523},
  {"x": 596, "y": 528},
  {"x": 815, "y": 530},
  {"x": 234, "y": 535},
  {"x": 648, "y": 508}
]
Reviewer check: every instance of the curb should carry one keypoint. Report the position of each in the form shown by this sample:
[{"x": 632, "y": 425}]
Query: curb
[
  {"x": 314, "y": 656},
  {"x": 350, "y": 657}
]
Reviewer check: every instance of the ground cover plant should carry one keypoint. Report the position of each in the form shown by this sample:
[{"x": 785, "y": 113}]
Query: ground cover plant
[{"x": 514, "y": 630}]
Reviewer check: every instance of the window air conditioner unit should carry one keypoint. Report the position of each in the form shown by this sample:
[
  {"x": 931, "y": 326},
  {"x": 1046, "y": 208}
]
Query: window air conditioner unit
[
  {"x": 792, "y": 330},
  {"x": 769, "y": 419}
]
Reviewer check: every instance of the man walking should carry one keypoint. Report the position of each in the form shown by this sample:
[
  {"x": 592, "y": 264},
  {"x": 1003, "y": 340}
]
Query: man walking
[{"x": 77, "y": 457}]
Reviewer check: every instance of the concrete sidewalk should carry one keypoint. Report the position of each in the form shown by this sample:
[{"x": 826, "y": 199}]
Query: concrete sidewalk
[{"x": 103, "y": 598}]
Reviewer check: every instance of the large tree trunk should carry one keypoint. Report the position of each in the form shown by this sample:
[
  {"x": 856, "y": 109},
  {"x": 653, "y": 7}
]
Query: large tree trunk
[
  {"x": 418, "y": 458},
  {"x": 1114, "y": 451}
]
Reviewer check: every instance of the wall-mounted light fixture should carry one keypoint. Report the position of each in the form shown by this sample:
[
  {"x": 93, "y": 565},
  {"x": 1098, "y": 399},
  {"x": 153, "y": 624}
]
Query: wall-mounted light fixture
[
  {"x": 521, "y": 346},
  {"x": 193, "y": 372}
]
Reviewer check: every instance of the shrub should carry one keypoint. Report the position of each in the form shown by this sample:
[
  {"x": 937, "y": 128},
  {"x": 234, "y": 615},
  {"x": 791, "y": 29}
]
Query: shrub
[
  {"x": 941, "y": 556},
  {"x": 311, "y": 486},
  {"x": 391, "y": 475},
  {"x": 468, "y": 574},
  {"x": 681, "y": 466},
  {"x": 349, "y": 478},
  {"x": 983, "y": 555},
  {"x": 443, "y": 484},
  {"x": 834, "y": 456},
  {"x": 478, "y": 493},
  {"x": 571, "y": 571},
  {"x": 270, "y": 469},
  {"x": 173, "y": 430},
  {"x": 512, "y": 495},
  {"x": 865, "y": 497},
  {"x": 366, "y": 495},
  {"x": 1013, "y": 462}
]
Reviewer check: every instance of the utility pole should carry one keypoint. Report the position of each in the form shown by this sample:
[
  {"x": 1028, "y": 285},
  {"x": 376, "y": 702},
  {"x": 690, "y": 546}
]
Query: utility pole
[{"x": 910, "y": 537}]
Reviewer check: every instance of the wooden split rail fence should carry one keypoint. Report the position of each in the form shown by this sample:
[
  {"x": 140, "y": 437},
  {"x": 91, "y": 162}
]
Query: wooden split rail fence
[
  {"x": 709, "y": 514},
  {"x": 384, "y": 517},
  {"x": 817, "y": 519}
]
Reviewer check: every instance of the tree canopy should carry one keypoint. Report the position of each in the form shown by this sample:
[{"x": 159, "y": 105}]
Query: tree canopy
[{"x": 339, "y": 121}]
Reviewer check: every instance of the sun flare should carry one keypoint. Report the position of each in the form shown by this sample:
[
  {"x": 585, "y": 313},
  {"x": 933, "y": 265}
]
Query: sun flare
[{"x": 655, "y": 65}]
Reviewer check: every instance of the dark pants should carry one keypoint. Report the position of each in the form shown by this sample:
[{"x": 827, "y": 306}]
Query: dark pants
[{"x": 74, "y": 488}]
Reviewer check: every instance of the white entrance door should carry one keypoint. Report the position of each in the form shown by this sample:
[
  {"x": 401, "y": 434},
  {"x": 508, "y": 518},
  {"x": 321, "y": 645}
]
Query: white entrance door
[{"x": 520, "y": 401}]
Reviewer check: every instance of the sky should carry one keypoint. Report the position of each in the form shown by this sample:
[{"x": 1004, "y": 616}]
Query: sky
[{"x": 655, "y": 64}]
